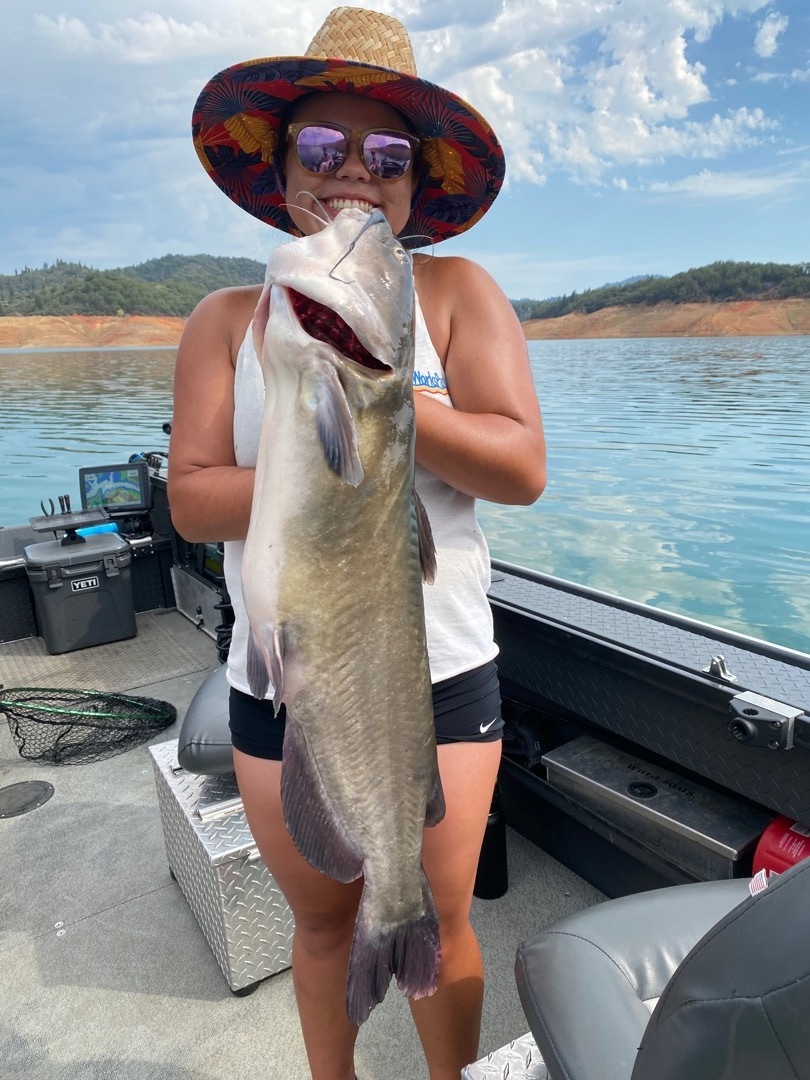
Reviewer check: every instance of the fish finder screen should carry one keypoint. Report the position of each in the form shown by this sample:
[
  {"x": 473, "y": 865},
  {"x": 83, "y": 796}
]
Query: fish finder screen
[{"x": 117, "y": 488}]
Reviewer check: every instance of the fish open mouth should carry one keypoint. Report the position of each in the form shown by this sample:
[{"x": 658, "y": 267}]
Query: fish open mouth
[{"x": 323, "y": 324}]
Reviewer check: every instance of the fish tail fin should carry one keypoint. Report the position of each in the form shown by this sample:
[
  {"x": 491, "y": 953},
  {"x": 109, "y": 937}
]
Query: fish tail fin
[{"x": 410, "y": 951}]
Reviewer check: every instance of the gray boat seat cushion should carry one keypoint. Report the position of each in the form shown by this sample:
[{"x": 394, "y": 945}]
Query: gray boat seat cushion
[
  {"x": 732, "y": 973},
  {"x": 204, "y": 742}
]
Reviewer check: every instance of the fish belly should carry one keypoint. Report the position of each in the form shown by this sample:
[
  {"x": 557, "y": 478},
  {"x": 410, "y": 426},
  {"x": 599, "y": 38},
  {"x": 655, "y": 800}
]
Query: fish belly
[{"x": 338, "y": 590}]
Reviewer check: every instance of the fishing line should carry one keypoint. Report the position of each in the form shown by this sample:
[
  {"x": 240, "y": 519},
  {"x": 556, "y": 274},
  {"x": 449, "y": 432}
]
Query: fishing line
[{"x": 349, "y": 250}]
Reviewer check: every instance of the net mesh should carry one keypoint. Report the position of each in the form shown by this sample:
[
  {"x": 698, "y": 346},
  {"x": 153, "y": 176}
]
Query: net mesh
[{"x": 75, "y": 727}]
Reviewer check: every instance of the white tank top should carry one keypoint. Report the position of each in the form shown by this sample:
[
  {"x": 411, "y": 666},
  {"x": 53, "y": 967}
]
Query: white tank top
[{"x": 458, "y": 619}]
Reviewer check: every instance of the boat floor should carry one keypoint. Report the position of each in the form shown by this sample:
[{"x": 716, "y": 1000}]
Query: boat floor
[{"x": 104, "y": 972}]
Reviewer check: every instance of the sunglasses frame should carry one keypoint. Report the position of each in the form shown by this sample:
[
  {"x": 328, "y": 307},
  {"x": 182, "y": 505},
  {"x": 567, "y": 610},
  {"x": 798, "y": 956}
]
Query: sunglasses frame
[{"x": 353, "y": 137}]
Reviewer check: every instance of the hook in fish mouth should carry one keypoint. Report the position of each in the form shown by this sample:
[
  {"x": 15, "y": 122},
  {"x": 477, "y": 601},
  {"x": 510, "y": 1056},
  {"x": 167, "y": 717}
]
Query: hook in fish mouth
[{"x": 323, "y": 324}]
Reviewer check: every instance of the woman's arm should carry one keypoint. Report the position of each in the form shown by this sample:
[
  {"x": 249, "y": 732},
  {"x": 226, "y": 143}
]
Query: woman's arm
[
  {"x": 209, "y": 494},
  {"x": 491, "y": 444}
]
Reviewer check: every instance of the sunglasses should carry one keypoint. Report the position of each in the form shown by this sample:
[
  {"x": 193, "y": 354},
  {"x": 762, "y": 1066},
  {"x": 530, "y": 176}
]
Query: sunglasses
[{"x": 323, "y": 148}]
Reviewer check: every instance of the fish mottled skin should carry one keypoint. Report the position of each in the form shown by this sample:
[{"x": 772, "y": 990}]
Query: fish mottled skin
[{"x": 332, "y": 580}]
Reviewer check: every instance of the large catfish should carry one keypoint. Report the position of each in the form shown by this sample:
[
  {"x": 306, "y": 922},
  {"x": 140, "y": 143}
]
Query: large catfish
[{"x": 332, "y": 578}]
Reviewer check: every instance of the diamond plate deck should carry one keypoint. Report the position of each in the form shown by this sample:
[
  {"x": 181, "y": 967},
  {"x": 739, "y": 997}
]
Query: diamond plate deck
[
  {"x": 518, "y": 1060},
  {"x": 639, "y": 673},
  {"x": 211, "y": 852}
]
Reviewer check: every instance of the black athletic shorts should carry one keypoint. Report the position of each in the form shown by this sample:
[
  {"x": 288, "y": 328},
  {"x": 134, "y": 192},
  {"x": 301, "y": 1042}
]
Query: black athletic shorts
[{"x": 466, "y": 708}]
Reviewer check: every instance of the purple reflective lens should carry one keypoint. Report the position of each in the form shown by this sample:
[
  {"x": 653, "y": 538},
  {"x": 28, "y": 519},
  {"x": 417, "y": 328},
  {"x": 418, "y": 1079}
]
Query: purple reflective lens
[{"x": 322, "y": 148}]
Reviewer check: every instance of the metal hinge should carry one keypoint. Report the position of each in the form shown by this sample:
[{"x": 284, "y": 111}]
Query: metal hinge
[{"x": 762, "y": 721}]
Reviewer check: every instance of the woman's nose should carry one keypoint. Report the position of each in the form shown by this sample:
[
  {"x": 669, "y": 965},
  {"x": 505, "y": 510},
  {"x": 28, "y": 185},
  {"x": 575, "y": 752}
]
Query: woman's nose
[{"x": 353, "y": 166}]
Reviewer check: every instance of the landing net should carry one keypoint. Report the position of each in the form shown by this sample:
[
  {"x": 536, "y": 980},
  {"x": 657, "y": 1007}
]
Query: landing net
[{"x": 75, "y": 727}]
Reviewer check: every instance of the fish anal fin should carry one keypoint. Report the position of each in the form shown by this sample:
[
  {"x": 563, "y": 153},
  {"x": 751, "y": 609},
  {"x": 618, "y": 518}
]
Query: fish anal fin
[
  {"x": 427, "y": 549},
  {"x": 308, "y": 814},
  {"x": 409, "y": 951},
  {"x": 434, "y": 812},
  {"x": 336, "y": 428}
]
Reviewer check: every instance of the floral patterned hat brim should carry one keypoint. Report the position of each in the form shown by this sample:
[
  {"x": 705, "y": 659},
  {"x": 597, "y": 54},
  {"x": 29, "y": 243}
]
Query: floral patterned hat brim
[{"x": 238, "y": 116}]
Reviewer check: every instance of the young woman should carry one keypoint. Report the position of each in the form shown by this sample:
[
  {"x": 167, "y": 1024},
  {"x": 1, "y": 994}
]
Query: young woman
[{"x": 262, "y": 130}]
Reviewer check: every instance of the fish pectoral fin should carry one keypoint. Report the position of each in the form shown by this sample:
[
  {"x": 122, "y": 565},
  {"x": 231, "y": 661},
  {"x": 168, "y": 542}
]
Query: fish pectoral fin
[
  {"x": 278, "y": 644},
  {"x": 435, "y": 809},
  {"x": 310, "y": 817},
  {"x": 336, "y": 429},
  {"x": 410, "y": 951},
  {"x": 266, "y": 665},
  {"x": 427, "y": 549}
]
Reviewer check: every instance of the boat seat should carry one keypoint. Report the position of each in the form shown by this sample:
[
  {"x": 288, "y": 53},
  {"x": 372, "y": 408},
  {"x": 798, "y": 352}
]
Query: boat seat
[
  {"x": 725, "y": 974},
  {"x": 204, "y": 742}
]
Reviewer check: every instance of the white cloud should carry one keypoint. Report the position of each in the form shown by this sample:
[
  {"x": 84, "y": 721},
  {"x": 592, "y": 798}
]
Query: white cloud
[
  {"x": 765, "y": 42},
  {"x": 711, "y": 186},
  {"x": 151, "y": 38},
  {"x": 784, "y": 78},
  {"x": 580, "y": 87}
]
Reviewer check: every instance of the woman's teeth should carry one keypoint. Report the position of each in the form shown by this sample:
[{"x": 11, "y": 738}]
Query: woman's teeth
[{"x": 349, "y": 204}]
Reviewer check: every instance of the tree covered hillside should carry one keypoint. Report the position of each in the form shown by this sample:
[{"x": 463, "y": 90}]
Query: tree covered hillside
[
  {"x": 171, "y": 285},
  {"x": 721, "y": 281}
]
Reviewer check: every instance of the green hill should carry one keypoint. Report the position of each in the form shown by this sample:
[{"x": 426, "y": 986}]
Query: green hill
[
  {"x": 171, "y": 285},
  {"x": 721, "y": 281}
]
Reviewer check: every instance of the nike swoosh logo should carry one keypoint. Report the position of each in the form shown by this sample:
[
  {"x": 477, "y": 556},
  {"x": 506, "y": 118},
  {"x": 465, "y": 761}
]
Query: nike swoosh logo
[{"x": 484, "y": 728}]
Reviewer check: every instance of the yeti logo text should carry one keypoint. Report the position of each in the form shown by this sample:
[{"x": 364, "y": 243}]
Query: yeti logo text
[{"x": 83, "y": 584}]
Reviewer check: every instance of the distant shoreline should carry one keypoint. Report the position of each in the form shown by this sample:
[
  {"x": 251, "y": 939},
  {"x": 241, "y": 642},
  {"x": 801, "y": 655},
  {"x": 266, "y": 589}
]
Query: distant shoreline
[{"x": 744, "y": 318}]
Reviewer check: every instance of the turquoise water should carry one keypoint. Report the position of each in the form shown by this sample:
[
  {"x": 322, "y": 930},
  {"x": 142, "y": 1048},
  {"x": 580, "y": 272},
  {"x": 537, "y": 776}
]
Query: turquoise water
[{"x": 679, "y": 470}]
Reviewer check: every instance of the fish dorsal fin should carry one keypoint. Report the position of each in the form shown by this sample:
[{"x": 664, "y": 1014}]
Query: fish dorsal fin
[
  {"x": 309, "y": 813},
  {"x": 336, "y": 429},
  {"x": 427, "y": 549}
]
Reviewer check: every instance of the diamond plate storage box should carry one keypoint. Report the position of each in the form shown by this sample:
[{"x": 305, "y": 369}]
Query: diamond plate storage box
[
  {"x": 212, "y": 854},
  {"x": 518, "y": 1060}
]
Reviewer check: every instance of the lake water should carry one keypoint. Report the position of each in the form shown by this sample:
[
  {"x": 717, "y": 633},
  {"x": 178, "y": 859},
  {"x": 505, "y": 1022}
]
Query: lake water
[{"x": 679, "y": 470}]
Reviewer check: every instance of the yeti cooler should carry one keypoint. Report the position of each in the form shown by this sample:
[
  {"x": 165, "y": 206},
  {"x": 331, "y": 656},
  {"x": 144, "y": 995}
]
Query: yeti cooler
[{"x": 82, "y": 591}]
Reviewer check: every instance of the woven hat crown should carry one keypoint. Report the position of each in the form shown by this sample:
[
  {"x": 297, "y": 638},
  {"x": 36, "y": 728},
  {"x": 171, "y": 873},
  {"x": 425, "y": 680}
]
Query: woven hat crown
[{"x": 367, "y": 37}]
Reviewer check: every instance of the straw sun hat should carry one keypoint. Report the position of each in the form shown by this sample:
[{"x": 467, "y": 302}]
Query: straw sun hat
[{"x": 239, "y": 116}]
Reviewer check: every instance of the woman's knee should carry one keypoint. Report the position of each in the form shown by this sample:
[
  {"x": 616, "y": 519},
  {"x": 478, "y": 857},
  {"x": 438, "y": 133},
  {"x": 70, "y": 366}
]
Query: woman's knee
[{"x": 323, "y": 934}]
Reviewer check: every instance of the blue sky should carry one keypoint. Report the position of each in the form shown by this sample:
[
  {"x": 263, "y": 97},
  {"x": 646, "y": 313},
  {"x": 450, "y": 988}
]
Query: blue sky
[{"x": 641, "y": 136}]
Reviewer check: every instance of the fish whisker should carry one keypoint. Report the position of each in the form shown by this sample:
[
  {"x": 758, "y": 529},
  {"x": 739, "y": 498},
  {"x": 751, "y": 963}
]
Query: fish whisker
[{"x": 322, "y": 217}]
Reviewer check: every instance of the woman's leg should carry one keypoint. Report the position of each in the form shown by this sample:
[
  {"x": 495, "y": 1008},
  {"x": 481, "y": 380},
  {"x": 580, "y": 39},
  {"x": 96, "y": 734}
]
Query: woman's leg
[
  {"x": 449, "y": 1022},
  {"x": 324, "y": 911}
]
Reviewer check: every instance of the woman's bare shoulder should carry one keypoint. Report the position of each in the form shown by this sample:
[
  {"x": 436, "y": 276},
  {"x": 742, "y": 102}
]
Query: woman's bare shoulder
[{"x": 226, "y": 304}]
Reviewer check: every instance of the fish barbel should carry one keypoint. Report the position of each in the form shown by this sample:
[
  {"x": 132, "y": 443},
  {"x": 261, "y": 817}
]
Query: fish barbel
[{"x": 332, "y": 579}]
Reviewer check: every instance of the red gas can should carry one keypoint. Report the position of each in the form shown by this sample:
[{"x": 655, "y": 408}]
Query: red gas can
[{"x": 783, "y": 844}]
